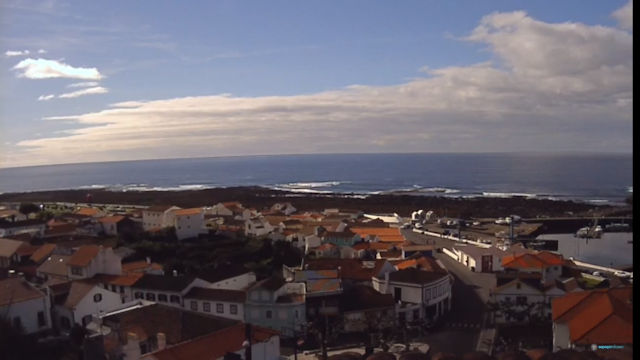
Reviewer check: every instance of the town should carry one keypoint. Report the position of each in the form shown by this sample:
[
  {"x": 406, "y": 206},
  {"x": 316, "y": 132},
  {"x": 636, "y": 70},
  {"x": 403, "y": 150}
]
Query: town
[{"x": 224, "y": 281}]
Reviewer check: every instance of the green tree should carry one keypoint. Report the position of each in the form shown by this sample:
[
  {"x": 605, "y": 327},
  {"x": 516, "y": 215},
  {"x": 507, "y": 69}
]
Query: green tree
[{"x": 28, "y": 208}]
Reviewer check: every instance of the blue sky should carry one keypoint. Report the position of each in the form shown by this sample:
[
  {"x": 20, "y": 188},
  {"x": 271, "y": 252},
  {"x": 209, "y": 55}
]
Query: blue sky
[{"x": 125, "y": 80}]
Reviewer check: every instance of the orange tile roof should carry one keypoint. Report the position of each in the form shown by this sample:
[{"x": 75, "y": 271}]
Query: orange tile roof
[
  {"x": 542, "y": 259},
  {"x": 140, "y": 266},
  {"x": 406, "y": 264},
  {"x": 87, "y": 211},
  {"x": 214, "y": 345},
  {"x": 373, "y": 245},
  {"x": 385, "y": 234},
  {"x": 42, "y": 253},
  {"x": 111, "y": 219},
  {"x": 14, "y": 290},
  {"x": 190, "y": 211},
  {"x": 84, "y": 255},
  {"x": 602, "y": 316},
  {"x": 119, "y": 280}
]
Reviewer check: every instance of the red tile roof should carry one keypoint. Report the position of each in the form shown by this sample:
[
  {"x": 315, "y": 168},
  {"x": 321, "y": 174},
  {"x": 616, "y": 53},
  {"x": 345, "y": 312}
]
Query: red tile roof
[
  {"x": 119, "y": 280},
  {"x": 42, "y": 253},
  {"x": 542, "y": 259},
  {"x": 191, "y": 211},
  {"x": 385, "y": 234},
  {"x": 111, "y": 219},
  {"x": 15, "y": 290},
  {"x": 602, "y": 316},
  {"x": 84, "y": 255},
  {"x": 214, "y": 345},
  {"x": 140, "y": 266},
  {"x": 87, "y": 211}
]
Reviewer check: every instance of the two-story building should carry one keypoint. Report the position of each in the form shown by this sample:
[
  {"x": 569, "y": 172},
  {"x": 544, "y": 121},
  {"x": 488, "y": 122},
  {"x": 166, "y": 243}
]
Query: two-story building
[
  {"x": 89, "y": 260},
  {"x": 421, "y": 293},
  {"x": 167, "y": 290},
  {"x": 276, "y": 304},
  {"x": 189, "y": 223},
  {"x": 83, "y": 299},
  {"x": 225, "y": 303},
  {"x": 158, "y": 217},
  {"x": 9, "y": 252}
]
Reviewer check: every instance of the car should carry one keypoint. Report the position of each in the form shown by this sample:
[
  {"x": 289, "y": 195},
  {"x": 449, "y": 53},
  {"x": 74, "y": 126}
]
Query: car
[{"x": 596, "y": 273}]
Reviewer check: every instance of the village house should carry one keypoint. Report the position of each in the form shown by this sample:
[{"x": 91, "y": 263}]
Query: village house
[
  {"x": 189, "y": 223},
  {"x": 42, "y": 253},
  {"x": 350, "y": 271},
  {"x": 478, "y": 259},
  {"x": 89, "y": 260},
  {"x": 265, "y": 345},
  {"x": 12, "y": 215},
  {"x": 143, "y": 327},
  {"x": 89, "y": 212},
  {"x": 121, "y": 284},
  {"x": 81, "y": 300},
  {"x": 597, "y": 317},
  {"x": 421, "y": 289},
  {"x": 380, "y": 234},
  {"x": 24, "y": 305},
  {"x": 33, "y": 227},
  {"x": 158, "y": 217},
  {"x": 145, "y": 266},
  {"x": 54, "y": 267},
  {"x": 322, "y": 288},
  {"x": 391, "y": 218},
  {"x": 257, "y": 227},
  {"x": 169, "y": 290},
  {"x": 366, "y": 310},
  {"x": 9, "y": 252},
  {"x": 276, "y": 304},
  {"x": 228, "y": 304},
  {"x": 116, "y": 225},
  {"x": 229, "y": 277},
  {"x": 285, "y": 208},
  {"x": 547, "y": 264}
]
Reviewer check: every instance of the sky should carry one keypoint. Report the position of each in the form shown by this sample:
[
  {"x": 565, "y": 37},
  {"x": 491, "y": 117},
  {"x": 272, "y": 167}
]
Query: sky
[{"x": 87, "y": 81}]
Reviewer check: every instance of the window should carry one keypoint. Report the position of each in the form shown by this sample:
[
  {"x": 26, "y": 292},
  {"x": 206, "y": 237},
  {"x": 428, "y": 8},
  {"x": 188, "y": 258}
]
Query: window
[
  {"x": 17, "y": 322},
  {"x": 269, "y": 314},
  {"x": 75, "y": 270},
  {"x": 518, "y": 285},
  {"x": 151, "y": 297},
  {"x": 521, "y": 300},
  {"x": 143, "y": 348},
  {"x": 41, "y": 321},
  {"x": 162, "y": 297},
  {"x": 194, "y": 305},
  {"x": 206, "y": 307},
  {"x": 219, "y": 308},
  {"x": 97, "y": 298},
  {"x": 397, "y": 293},
  {"x": 296, "y": 314},
  {"x": 233, "y": 309},
  {"x": 114, "y": 288},
  {"x": 174, "y": 299},
  {"x": 138, "y": 295},
  {"x": 121, "y": 289},
  {"x": 416, "y": 314}
]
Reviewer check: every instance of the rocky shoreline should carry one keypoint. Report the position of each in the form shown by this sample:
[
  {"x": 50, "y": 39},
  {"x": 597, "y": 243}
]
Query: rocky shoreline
[{"x": 259, "y": 198}]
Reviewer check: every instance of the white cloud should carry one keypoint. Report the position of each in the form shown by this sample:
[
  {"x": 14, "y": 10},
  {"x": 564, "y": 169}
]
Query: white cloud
[
  {"x": 554, "y": 87},
  {"x": 11, "y": 53},
  {"x": 624, "y": 16},
  {"x": 46, "y": 97},
  {"x": 45, "y": 69},
  {"x": 42, "y": 51},
  {"x": 83, "y": 92},
  {"x": 83, "y": 84}
]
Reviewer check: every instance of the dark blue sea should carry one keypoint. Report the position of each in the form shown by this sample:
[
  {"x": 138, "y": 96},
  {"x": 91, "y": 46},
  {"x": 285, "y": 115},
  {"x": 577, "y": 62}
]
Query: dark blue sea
[{"x": 605, "y": 179}]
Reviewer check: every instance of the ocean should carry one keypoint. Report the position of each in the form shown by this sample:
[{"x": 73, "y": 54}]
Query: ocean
[{"x": 595, "y": 178}]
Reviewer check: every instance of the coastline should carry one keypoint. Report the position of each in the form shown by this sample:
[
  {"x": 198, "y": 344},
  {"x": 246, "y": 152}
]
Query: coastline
[{"x": 261, "y": 197}]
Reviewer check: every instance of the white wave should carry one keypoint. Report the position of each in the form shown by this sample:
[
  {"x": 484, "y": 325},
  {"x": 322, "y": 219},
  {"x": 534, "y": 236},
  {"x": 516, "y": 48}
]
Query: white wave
[
  {"x": 630, "y": 189},
  {"x": 304, "y": 185},
  {"x": 597, "y": 201},
  {"x": 94, "y": 186},
  {"x": 301, "y": 190},
  {"x": 145, "y": 187},
  {"x": 507, "y": 195},
  {"x": 440, "y": 190}
]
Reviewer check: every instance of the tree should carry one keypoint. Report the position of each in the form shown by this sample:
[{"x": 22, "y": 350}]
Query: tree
[{"x": 28, "y": 208}]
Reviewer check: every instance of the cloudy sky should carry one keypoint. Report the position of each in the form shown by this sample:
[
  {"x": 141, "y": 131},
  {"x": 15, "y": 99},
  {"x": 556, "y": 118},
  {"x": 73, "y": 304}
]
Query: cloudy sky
[{"x": 120, "y": 80}]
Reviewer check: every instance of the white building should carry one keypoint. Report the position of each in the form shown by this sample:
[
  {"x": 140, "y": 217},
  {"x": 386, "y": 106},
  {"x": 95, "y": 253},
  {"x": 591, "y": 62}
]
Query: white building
[
  {"x": 89, "y": 260},
  {"x": 32, "y": 227},
  {"x": 228, "y": 304},
  {"x": 9, "y": 252},
  {"x": 24, "y": 305},
  {"x": 158, "y": 217},
  {"x": 166, "y": 290},
  {"x": 257, "y": 227},
  {"x": 285, "y": 208},
  {"x": 420, "y": 294},
  {"x": 83, "y": 300},
  {"x": 478, "y": 259},
  {"x": 189, "y": 223}
]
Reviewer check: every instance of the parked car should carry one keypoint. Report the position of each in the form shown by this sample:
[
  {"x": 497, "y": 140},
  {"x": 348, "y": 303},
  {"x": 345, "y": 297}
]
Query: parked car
[{"x": 622, "y": 274}]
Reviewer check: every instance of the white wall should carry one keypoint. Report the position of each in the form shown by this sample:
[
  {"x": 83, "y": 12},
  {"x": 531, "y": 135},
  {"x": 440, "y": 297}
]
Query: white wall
[
  {"x": 268, "y": 350},
  {"x": 87, "y": 306},
  {"x": 188, "y": 226},
  {"x": 561, "y": 339},
  {"x": 27, "y": 311},
  {"x": 213, "y": 308}
]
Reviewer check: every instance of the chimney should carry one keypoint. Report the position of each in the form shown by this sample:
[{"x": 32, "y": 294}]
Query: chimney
[
  {"x": 162, "y": 341},
  {"x": 175, "y": 272},
  {"x": 148, "y": 260},
  {"x": 132, "y": 349}
]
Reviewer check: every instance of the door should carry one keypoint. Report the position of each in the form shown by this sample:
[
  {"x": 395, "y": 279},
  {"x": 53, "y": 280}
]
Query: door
[{"x": 487, "y": 263}]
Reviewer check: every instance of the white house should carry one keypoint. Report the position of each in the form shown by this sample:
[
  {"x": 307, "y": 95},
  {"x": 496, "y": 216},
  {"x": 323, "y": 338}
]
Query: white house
[
  {"x": 158, "y": 217},
  {"x": 478, "y": 259},
  {"x": 285, "y": 208},
  {"x": 89, "y": 260},
  {"x": 387, "y": 218},
  {"x": 547, "y": 264},
  {"x": 189, "y": 223},
  {"x": 219, "y": 302},
  {"x": 83, "y": 300},
  {"x": 420, "y": 293},
  {"x": 167, "y": 290},
  {"x": 257, "y": 227},
  {"x": 24, "y": 305}
]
